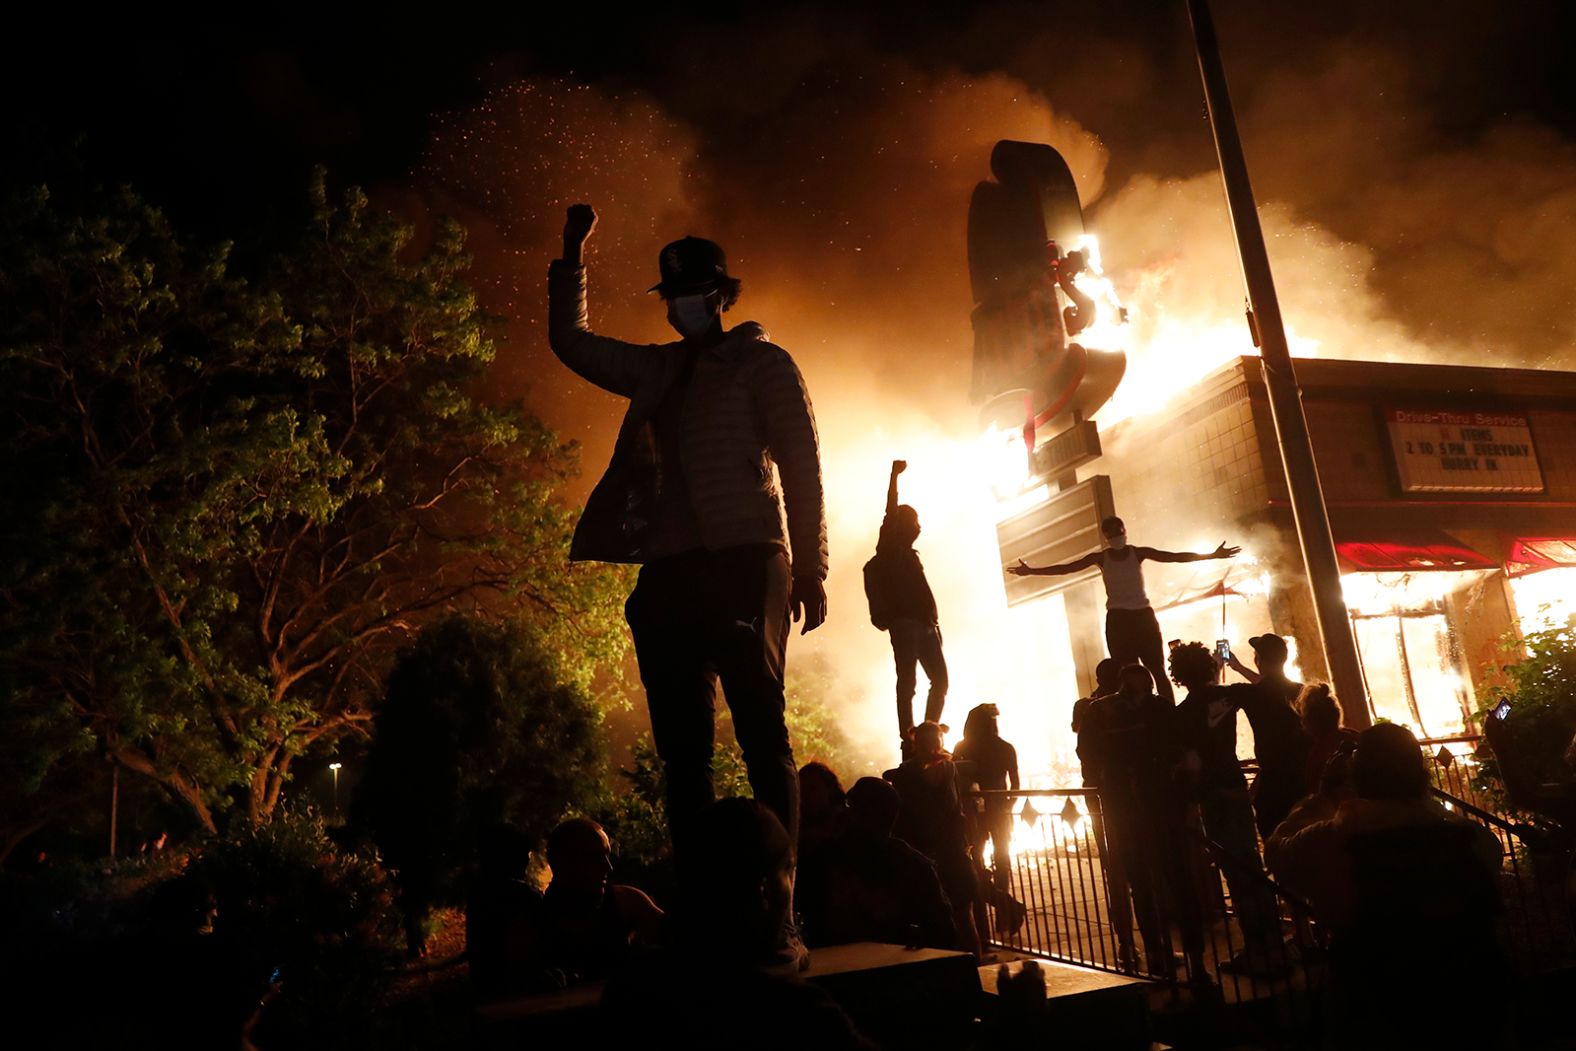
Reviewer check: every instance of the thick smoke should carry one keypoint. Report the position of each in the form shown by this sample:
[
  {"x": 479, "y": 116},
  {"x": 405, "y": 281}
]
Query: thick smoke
[{"x": 837, "y": 175}]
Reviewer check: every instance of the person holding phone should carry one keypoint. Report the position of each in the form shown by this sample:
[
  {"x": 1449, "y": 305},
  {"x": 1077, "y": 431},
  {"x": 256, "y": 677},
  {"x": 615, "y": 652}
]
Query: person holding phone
[{"x": 1131, "y": 630}]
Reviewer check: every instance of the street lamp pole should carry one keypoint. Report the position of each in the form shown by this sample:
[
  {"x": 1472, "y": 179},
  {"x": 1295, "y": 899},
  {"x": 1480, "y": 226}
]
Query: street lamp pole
[
  {"x": 335, "y": 768},
  {"x": 1285, "y": 397}
]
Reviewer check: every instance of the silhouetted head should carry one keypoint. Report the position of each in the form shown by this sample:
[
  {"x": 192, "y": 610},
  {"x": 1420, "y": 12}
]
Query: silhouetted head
[
  {"x": 981, "y": 723},
  {"x": 1107, "y": 676},
  {"x": 1136, "y": 680},
  {"x": 820, "y": 791},
  {"x": 928, "y": 740},
  {"x": 1193, "y": 666},
  {"x": 1269, "y": 653},
  {"x": 901, "y": 527},
  {"x": 503, "y": 850},
  {"x": 1320, "y": 711},
  {"x": 1114, "y": 531},
  {"x": 739, "y": 877},
  {"x": 1389, "y": 764},
  {"x": 874, "y": 804},
  {"x": 696, "y": 285},
  {"x": 580, "y": 855}
]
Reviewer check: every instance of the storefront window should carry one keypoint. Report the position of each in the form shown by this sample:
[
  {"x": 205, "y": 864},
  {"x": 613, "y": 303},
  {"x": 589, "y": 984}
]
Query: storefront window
[
  {"x": 1545, "y": 599},
  {"x": 1411, "y": 655}
]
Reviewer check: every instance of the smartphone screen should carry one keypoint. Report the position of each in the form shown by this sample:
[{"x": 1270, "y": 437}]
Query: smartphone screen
[
  {"x": 1501, "y": 710},
  {"x": 1223, "y": 649}
]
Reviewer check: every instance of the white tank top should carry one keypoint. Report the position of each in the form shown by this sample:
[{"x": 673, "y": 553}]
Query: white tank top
[{"x": 1124, "y": 581}]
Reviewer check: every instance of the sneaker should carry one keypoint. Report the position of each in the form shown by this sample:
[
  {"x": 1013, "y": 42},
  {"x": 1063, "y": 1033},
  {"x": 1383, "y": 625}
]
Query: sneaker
[
  {"x": 1165, "y": 965},
  {"x": 790, "y": 957}
]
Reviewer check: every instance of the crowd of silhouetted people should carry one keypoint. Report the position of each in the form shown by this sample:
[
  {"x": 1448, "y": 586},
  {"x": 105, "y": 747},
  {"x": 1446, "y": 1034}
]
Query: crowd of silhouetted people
[
  {"x": 1341, "y": 819},
  {"x": 895, "y": 860},
  {"x": 715, "y": 490}
]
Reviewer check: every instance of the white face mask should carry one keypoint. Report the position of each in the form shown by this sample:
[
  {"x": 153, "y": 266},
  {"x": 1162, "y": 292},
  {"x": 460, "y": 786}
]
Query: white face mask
[
  {"x": 1116, "y": 542},
  {"x": 690, "y": 315}
]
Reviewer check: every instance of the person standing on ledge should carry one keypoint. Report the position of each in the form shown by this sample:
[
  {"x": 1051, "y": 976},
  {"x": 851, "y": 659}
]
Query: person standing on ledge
[
  {"x": 902, "y": 605},
  {"x": 691, "y": 494},
  {"x": 1131, "y": 631}
]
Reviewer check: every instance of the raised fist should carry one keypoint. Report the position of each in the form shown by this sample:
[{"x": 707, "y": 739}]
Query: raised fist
[
  {"x": 579, "y": 224},
  {"x": 899, "y": 466}
]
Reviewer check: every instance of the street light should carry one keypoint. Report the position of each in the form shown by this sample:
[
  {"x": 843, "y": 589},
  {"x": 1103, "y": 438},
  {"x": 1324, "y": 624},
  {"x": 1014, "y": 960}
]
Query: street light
[{"x": 335, "y": 767}]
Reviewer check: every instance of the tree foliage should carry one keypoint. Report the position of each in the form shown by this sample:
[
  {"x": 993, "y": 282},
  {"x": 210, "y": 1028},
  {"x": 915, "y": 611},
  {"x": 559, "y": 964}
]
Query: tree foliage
[
  {"x": 1542, "y": 721},
  {"x": 237, "y": 494},
  {"x": 478, "y": 729}
]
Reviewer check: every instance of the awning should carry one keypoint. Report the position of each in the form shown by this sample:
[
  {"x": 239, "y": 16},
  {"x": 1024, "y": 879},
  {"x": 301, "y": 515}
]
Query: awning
[
  {"x": 1409, "y": 551},
  {"x": 1530, "y": 554}
]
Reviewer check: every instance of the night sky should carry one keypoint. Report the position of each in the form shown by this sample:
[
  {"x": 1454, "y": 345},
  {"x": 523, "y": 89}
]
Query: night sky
[
  {"x": 1415, "y": 165},
  {"x": 1415, "y": 161}
]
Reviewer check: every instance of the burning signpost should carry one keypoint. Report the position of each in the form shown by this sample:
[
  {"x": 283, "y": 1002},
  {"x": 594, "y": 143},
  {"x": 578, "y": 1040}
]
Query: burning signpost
[{"x": 1047, "y": 356}]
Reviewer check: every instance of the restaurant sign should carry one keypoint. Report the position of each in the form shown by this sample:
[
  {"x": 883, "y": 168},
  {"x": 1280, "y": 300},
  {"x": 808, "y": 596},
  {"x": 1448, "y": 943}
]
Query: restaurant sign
[{"x": 1448, "y": 451}]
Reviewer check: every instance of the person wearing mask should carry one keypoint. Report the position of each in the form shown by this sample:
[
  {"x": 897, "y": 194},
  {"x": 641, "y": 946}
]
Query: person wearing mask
[
  {"x": 1131, "y": 630},
  {"x": 715, "y": 421}
]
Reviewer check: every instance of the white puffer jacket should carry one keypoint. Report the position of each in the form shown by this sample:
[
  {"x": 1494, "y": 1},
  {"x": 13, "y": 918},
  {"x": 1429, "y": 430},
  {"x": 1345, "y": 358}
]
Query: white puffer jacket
[{"x": 747, "y": 410}]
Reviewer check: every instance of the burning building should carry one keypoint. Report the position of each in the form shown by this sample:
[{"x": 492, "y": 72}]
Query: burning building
[{"x": 1451, "y": 492}]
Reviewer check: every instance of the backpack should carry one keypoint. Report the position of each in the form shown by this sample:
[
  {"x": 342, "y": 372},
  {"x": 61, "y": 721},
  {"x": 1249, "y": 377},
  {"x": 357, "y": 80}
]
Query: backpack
[{"x": 876, "y": 594}]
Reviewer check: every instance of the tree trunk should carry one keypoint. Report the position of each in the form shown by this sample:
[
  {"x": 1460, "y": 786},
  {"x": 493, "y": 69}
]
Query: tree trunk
[{"x": 178, "y": 785}]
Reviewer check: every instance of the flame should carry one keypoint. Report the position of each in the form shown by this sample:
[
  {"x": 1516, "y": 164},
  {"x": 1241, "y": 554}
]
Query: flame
[
  {"x": 1109, "y": 330},
  {"x": 1403, "y": 634},
  {"x": 1051, "y": 832},
  {"x": 1018, "y": 659},
  {"x": 1379, "y": 593},
  {"x": 1004, "y": 456},
  {"x": 1546, "y": 599}
]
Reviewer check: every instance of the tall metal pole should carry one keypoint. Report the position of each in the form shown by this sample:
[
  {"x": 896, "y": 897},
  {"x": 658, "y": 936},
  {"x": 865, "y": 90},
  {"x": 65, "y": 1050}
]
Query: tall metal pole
[
  {"x": 114, "y": 805},
  {"x": 1291, "y": 426}
]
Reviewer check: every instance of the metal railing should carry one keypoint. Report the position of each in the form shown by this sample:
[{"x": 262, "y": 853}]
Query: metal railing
[
  {"x": 1056, "y": 870},
  {"x": 1538, "y": 917},
  {"x": 1453, "y": 766},
  {"x": 1172, "y": 915}
]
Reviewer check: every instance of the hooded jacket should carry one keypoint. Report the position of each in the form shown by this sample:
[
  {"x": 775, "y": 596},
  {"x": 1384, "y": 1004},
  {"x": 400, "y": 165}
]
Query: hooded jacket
[{"x": 745, "y": 411}]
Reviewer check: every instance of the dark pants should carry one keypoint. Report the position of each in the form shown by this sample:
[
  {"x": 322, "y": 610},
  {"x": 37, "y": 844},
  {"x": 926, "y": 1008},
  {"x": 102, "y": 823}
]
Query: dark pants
[
  {"x": 1228, "y": 820},
  {"x": 1134, "y": 635},
  {"x": 1275, "y": 793},
  {"x": 915, "y": 643},
  {"x": 703, "y": 616},
  {"x": 1144, "y": 837}
]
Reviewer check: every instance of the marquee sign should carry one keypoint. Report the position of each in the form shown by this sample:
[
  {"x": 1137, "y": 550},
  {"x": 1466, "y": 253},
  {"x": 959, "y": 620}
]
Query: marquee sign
[{"x": 1446, "y": 451}]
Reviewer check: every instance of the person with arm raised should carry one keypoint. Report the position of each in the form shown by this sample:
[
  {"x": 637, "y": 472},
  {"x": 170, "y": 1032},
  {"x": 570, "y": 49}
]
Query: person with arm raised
[{"x": 1132, "y": 631}]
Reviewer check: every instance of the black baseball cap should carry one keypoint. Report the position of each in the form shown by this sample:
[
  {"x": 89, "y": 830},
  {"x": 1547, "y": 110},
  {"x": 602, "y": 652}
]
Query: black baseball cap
[
  {"x": 1268, "y": 643},
  {"x": 690, "y": 267}
]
